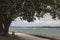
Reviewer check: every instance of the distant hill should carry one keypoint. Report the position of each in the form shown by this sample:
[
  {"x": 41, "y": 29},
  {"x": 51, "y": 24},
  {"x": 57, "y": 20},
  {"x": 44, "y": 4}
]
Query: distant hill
[{"x": 37, "y": 26}]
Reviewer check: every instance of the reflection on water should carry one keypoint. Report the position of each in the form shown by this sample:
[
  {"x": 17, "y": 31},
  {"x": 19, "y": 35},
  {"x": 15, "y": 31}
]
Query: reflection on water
[
  {"x": 46, "y": 28},
  {"x": 34, "y": 28}
]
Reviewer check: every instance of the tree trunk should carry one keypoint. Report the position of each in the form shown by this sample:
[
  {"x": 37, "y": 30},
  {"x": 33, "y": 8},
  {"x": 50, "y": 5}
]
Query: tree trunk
[
  {"x": 1, "y": 25},
  {"x": 1, "y": 28},
  {"x": 7, "y": 22},
  {"x": 6, "y": 27}
]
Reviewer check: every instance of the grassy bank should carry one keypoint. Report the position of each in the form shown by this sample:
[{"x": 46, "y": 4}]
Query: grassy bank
[{"x": 10, "y": 37}]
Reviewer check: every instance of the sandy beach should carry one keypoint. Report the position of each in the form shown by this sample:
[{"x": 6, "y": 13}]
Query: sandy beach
[
  {"x": 28, "y": 37},
  {"x": 24, "y": 36}
]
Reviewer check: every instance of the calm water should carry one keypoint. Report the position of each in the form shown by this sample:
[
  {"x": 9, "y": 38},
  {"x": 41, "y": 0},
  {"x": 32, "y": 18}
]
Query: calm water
[{"x": 47, "y": 31}]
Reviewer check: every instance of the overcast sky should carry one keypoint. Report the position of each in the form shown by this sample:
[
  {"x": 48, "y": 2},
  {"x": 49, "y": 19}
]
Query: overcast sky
[{"x": 46, "y": 21}]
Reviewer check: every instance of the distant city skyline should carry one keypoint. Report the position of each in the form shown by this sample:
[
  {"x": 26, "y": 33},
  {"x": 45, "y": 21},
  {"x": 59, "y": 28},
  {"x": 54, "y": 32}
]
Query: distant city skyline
[{"x": 46, "y": 21}]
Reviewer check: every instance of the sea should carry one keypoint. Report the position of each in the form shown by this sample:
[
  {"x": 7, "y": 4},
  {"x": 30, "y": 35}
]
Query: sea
[{"x": 45, "y": 31}]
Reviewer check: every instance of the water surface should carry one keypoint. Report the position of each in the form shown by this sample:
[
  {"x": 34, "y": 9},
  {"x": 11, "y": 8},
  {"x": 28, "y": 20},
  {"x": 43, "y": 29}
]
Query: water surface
[{"x": 47, "y": 31}]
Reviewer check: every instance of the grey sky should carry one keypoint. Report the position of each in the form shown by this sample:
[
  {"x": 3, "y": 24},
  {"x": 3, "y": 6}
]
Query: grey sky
[{"x": 46, "y": 21}]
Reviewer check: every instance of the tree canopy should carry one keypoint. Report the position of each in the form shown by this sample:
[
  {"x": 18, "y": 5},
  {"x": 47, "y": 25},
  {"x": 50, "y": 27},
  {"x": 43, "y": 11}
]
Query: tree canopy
[{"x": 26, "y": 10}]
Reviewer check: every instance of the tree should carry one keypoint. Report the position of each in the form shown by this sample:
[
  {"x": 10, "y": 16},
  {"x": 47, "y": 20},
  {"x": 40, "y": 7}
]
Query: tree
[
  {"x": 26, "y": 9},
  {"x": 7, "y": 12}
]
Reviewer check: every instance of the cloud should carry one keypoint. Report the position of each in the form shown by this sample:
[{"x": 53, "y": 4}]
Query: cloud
[{"x": 46, "y": 21}]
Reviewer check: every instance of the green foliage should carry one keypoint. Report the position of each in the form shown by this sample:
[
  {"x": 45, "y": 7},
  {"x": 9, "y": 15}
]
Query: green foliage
[{"x": 27, "y": 8}]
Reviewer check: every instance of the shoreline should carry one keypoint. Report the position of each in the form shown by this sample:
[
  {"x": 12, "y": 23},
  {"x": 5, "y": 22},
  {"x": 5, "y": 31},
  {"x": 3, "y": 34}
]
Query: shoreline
[
  {"x": 51, "y": 38},
  {"x": 41, "y": 36},
  {"x": 47, "y": 36}
]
